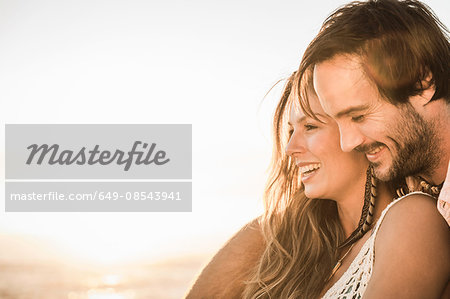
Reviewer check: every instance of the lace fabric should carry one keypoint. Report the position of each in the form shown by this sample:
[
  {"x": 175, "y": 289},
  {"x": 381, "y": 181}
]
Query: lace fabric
[{"x": 353, "y": 283}]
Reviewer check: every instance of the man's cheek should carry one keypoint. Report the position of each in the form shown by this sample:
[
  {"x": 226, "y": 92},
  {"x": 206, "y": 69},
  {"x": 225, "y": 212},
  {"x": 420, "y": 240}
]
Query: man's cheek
[{"x": 374, "y": 131}]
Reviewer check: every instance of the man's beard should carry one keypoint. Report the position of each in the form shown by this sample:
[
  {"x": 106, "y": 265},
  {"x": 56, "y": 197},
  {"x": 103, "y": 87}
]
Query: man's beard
[{"x": 416, "y": 147}]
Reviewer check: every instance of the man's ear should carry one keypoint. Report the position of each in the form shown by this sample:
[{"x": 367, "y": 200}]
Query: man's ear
[{"x": 421, "y": 100}]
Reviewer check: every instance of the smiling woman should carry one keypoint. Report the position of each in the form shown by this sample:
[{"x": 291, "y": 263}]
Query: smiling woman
[
  {"x": 319, "y": 202},
  {"x": 299, "y": 234},
  {"x": 314, "y": 148},
  {"x": 323, "y": 220},
  {"x": 379, "y": 69}
]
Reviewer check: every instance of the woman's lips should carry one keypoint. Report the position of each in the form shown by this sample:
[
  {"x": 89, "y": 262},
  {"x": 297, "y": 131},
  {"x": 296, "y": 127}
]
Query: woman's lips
[
  {"x": 308, "y": 170},
  {"x": 307, "y": 176}
]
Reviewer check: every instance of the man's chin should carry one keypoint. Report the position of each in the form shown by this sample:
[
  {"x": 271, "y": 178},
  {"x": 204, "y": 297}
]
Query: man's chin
[{"x": 382, "y": 171}]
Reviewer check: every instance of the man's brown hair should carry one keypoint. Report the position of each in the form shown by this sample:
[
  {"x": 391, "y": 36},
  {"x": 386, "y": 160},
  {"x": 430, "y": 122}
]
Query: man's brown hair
[{"x": 402, "y": 46}]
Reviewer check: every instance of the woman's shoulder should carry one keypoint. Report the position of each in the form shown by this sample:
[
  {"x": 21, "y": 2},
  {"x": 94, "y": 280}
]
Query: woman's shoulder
[
  {"x": 410, "y": 218},
  {"x": 413, "y": 239},
  {"x": 412, "y": 210}
]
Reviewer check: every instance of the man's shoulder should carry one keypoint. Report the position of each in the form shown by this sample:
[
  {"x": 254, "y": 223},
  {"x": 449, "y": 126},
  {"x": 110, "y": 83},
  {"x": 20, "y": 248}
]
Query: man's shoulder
[{"x": 225, "y": 274}]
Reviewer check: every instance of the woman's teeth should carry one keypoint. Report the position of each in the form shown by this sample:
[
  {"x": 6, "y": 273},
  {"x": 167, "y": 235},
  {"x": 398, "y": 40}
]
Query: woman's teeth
[{"x": 309, "y": 168}]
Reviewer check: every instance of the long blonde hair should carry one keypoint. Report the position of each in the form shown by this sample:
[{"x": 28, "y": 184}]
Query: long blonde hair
[{"x": 301, "y": 234}]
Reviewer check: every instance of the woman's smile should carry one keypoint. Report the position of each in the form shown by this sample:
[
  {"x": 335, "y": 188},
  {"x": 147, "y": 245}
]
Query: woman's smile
[
  {"x": 325, "y": 170},
  {"x": 307, "y": 170}
]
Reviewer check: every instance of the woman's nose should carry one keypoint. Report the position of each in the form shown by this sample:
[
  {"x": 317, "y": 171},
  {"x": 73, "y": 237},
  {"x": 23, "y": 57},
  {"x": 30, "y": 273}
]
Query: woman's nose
[{"x": 295, "y": 145}]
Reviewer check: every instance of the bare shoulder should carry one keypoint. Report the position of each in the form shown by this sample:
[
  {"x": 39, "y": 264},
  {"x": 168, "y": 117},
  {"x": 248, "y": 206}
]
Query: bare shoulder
[
  {"x": 414, "y": 215},
  {"x": 412, "y": 256},
  {"x": 224, "y": 275}
]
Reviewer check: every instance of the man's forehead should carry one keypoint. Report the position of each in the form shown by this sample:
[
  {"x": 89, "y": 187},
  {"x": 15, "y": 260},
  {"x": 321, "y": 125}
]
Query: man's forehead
[
  {"x": 345, "y": 71},
  {"x": 343, "y": 87},
  {"x": 350, "y": 62}
]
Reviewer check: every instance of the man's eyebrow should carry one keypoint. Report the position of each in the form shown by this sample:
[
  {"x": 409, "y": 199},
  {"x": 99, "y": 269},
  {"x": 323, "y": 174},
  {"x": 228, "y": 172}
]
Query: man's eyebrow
[{"x": 351, "y": 110}]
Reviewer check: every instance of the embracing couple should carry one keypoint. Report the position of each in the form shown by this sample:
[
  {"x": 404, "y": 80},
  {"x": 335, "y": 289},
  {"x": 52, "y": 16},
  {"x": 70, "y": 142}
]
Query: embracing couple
[{"x": 358, "y": 202}]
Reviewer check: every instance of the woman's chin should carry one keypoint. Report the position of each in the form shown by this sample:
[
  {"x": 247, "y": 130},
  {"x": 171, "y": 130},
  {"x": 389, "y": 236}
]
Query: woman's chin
[{"x": 312, "y": 192}]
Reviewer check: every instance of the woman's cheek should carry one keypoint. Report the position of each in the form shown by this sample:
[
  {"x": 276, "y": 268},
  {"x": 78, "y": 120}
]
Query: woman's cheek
[{"x": 319, "y": 141}]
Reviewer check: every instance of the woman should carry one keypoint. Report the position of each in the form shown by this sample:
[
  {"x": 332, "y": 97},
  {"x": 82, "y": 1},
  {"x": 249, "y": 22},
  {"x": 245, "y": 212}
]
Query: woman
[
  {"x": 303, "y": 233},
  {"x": 309, "y": 243},
  {"x": 306, "y": 254}
]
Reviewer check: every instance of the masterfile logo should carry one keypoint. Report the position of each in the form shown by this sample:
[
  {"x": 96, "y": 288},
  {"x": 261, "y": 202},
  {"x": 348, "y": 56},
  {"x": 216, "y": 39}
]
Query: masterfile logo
[
  {"x": 151, "y": 151},
  {"x": 70, "y": 168},
  {"x": 91, "y": 157}
]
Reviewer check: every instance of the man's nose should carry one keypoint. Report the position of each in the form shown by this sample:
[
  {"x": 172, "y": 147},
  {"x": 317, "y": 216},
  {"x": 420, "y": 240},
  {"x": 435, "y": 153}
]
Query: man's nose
[{"x": 350, "y": 137}]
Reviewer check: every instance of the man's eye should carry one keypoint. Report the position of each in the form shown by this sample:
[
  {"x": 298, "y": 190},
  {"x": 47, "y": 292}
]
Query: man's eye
[{"x": 358, "y": 118}]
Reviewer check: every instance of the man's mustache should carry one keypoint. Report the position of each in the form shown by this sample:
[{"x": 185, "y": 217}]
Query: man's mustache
[{"x": 364, "y": 148}]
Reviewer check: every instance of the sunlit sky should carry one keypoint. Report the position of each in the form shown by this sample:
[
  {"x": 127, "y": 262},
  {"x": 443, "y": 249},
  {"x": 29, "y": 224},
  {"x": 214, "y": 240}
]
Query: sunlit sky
[{"x": 205, "y": 63}]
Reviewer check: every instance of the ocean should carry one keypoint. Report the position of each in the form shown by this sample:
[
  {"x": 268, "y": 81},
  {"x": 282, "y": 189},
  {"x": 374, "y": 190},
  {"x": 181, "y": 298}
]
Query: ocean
[{"x": 159, "y": 280}]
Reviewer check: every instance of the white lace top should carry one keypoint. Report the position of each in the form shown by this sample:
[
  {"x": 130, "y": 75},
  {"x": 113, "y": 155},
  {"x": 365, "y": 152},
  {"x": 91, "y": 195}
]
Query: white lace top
[{"x": 353, "y": 282}]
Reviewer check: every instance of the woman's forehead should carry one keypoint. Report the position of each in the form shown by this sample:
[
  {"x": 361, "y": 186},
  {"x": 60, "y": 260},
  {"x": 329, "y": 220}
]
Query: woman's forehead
[
  {"x": 294, "y": 103},
  {"x": 296, "y": 110}
]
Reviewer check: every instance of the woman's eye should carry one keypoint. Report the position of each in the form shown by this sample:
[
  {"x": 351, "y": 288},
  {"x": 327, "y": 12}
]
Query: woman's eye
[
  {"x": 358, "y": 118},
  {"x": 310, "y": 127},
  {"x": 290, "y": 132}
]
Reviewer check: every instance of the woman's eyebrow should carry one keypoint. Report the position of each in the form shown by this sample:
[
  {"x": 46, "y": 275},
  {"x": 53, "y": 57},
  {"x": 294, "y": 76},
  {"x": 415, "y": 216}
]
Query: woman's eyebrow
[
  {"x": 322, "y": 115},
  {"x": 301, "y": 119}
]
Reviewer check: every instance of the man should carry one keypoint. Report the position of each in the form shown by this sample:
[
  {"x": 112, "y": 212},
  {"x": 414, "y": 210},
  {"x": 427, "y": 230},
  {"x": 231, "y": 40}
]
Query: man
[
  {"x": 224, "y": 276},
  {"x": 381, "y": 70}
]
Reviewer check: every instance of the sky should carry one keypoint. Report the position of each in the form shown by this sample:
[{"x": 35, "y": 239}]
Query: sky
[{"x": 205, "y": 63}]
